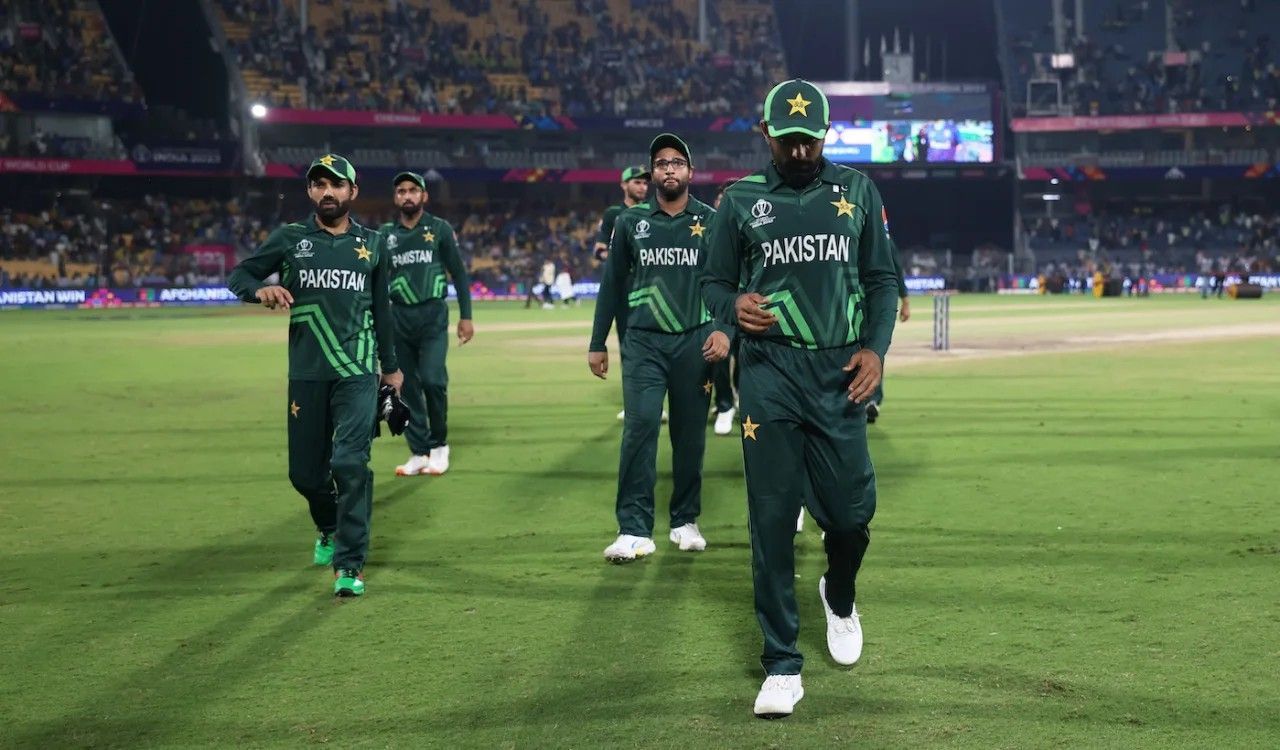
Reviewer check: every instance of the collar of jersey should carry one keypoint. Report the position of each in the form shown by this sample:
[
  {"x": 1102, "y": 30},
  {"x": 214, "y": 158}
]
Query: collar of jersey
[
  {"x": 421, "y": 220},
  {"x": 693, "y": 206},
  {"x": 829, "y": 174},
  {"x": 313, "y": 227}
]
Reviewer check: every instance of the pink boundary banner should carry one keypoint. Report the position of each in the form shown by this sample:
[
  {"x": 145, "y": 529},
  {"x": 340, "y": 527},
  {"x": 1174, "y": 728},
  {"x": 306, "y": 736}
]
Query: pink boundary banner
[
  {"x": 1141, "y": 122},
  {"x": 36, "y": 165},
  {"x": 387, "y": 119}
]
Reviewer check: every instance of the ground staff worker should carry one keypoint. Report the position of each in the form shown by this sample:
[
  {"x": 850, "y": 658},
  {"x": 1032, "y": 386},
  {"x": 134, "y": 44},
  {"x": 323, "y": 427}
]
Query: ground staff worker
[
  {"x": 651, "y": 284},
  {"x": 423, "y": 249},
  {"x": 333, "y": 281},
  {"x": 816, "y": 314}
]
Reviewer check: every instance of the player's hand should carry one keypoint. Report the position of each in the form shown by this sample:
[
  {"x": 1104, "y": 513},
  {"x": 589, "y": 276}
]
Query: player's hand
[
  {"x": 274, "y": 296},
  {"x": 466, "y": 331},
  {"x": 599, "y": 364},
  {"x": 866, "y": 369},
  {"x": 904, "y": 314},
  {"x": 601, "y": 251},
  {"x": 394, "y": 379},
  {"x": 751, "y": 317},
  {"x": 716, "y": 347}
]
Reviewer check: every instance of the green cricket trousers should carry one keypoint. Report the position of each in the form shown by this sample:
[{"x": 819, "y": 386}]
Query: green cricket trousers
[
  {"x": 656, "y": 365},
  {"x": 422, "y": 343},
  {"x": 330, "y": 433},
  {"x": 803, "y": 444}
]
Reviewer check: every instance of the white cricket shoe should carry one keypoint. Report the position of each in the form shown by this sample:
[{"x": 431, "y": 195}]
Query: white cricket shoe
[
  {"x": 725, "y": 421},
  {"x": 778, "y": 696},
  {"x": 667, "y": 417},
  {"x": 627, "y": 548},
  {"x": 689, "y": 538},
  {"x": 800, "y": 521},
  {"x": 844, "y": 634},
  {"x": 622, "y": 415},
  {"x": 548, "y": 306},
  {"x": 414, "y": 466},
  {"x": 439, "y": 461}
]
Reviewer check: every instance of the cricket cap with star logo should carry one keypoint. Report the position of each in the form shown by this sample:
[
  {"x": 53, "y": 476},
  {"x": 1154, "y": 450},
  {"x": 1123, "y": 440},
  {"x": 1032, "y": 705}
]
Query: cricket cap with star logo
[
  {"x": 413, "y": 177},
  {"x": 797, "y": 106},
  {"x": 669, "y": 140},
  {"x": 630, "y": 173},
  {"x": 333, "y": 165}
]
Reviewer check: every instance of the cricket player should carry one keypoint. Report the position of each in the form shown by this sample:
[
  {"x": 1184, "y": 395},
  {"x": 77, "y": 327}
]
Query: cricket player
[
  {"x": 651, "y": 285},
  {"x": 635, "y": 188},
  {"x": 904, "y": 314},
  {"x": 423, "y": 249},
  {"x": 816, "y": 313},
  {"x": 333, "y": 281}
]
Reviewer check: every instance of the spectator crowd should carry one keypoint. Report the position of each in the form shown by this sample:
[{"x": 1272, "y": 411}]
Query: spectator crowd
[
  {"x": 58, "y": 49},
  {"x": 403, "y": 57}
]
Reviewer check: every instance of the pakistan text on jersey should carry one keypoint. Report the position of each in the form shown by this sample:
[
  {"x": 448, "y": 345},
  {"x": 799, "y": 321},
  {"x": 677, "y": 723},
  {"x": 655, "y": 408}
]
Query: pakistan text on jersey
[
  {"x": 412, "y": 256},
  {"x": 668, "y": 256},
  {"x": 806, "y": 248},
  {"x": 332, "y": 278}
]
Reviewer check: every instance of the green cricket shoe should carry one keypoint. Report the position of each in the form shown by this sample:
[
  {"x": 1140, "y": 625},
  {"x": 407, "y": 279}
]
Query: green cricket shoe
[
  {"x": 348, "y": 583},
  {"x": 323, "y": 554}
]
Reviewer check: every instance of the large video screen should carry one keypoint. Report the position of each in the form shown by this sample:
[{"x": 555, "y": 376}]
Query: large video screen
[{"x": 911, "y": 142}]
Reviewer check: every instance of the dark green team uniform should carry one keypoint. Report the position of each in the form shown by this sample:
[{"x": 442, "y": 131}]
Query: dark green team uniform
[
  {"x": 420, "y": 258},
  {"x": 821, "y": 256},
  {"x": 340, "y": 318},
  {"x": 607, "y": 222},
  {"x": 878, "y": 396},
  {"x": 651, "y": 286}
]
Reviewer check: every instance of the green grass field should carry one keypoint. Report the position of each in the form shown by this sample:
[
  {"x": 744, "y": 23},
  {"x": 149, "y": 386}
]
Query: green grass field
[{"x": 1077, "y": 545}]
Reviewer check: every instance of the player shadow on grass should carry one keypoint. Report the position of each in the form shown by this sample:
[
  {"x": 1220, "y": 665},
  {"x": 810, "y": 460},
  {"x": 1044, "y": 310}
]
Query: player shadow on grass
[{"x": 199, "y": 572}]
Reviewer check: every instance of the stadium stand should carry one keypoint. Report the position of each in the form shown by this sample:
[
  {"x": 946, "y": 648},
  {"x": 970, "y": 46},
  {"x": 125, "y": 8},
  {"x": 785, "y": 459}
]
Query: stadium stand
[
  {"x": 526, "y": 58},
  {"x": 1221, "y": 58},
  {"x": 1169, "y": 240},
  {"x": 130, "y": 242},
  {"x": 61, "y": 49}
]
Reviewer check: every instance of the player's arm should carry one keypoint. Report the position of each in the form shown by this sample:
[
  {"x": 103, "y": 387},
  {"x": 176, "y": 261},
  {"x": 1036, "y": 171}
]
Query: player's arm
[
  {"x": 613, "y": 286},
  {"x": 722, "y": 276},
  {"x": 724, "y": 260},
  {"x": 245, "y": 280},
  {"x": 904, "y": 311},
  {"x": 879, "y": 279},
  {"x": 461, "y": 281},
  {"x": 383, "y": 325},
  {"x": 607, "y": 222}
]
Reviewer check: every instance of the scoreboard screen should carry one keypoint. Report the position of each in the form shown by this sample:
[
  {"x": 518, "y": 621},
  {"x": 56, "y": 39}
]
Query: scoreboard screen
[{"x": 911, "y": 142}]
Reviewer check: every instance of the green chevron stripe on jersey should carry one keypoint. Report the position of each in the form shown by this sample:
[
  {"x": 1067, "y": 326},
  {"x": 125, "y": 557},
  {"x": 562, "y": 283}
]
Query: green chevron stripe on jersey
[
  {"x": 313, "y": 318},
  {"x": 652, "y": 297},
  {"x": 791, "y": 321},
  {"x": 440, "y": 287},
  {"x": 854, "y": 315},
  {"x": 401, "y": 287}
]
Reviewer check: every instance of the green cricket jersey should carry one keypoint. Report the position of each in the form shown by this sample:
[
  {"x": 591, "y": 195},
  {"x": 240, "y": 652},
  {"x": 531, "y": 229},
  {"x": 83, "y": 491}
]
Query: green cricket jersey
[
  {"x": 821, "y": 255},
  {"x": 420, "y": 257},
  {"x": 607, "y": 221},
  {"x": 652, "y": 275},
  {"x": 341, "y": 312}
]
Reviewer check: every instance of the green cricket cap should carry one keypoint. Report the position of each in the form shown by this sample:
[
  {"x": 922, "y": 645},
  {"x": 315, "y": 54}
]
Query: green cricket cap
[
  {"x": 335, "y": 165},
  {"x": 413, "y": 177},
  {"x": 630, "y": 173},
  {"x": 797, "y": 106},
  {"x": 669, "y": 140}
]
